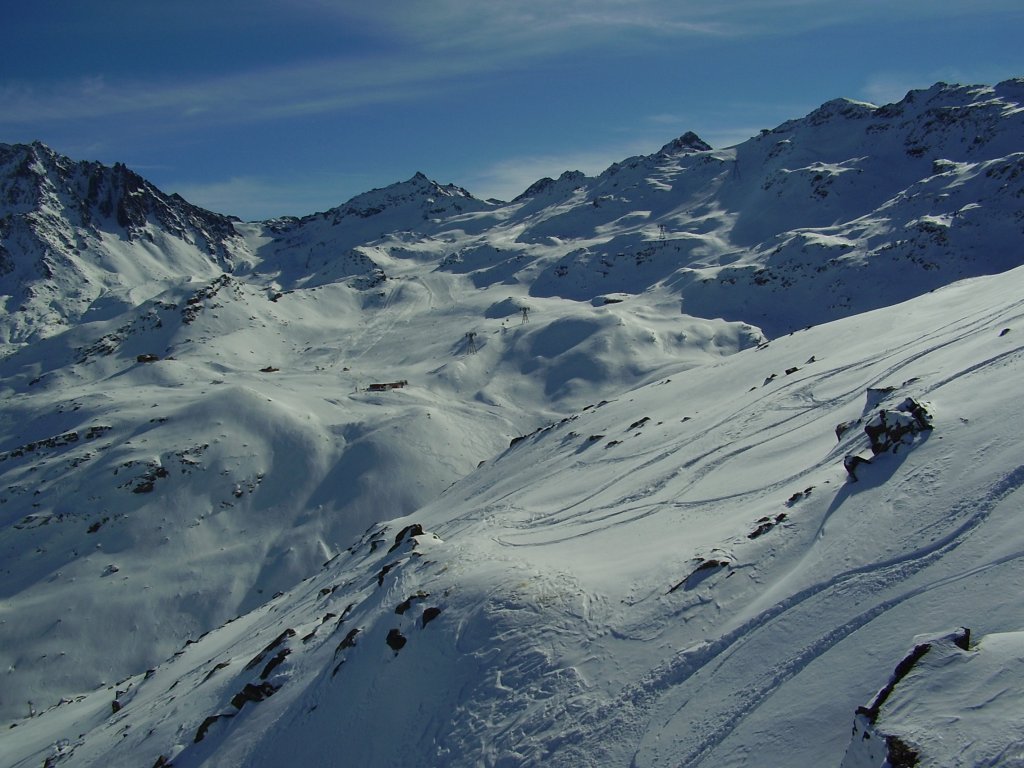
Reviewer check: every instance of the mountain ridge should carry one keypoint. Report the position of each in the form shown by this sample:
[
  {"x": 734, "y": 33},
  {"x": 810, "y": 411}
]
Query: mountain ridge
[{"x": 776, "y": 198}]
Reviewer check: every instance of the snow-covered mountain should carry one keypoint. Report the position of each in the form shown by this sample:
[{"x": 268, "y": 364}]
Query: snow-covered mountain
[
  {"x": 79, "y": 237},
  {"x": 674, "y": 465}
]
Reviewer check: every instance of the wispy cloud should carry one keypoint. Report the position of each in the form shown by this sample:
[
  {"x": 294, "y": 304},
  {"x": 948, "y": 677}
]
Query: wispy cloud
[
  {"x": 256, "y": 94},
  {"x": 435, "y": 45},
  {"x": 529, "y": 25}
]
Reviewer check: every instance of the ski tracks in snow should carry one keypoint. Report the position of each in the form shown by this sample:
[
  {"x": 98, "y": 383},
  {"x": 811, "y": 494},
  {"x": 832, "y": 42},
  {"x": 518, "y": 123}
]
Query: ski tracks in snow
[
  {"x": 746, "y": 432},
  {"x": 705, "y": 722}
]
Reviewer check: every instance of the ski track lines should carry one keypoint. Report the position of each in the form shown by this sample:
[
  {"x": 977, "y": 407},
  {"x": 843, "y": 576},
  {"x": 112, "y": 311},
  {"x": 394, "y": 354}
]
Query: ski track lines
[
  {"x": 383, "y": 327},
  {"x": 886, "y": 573},
  {"x": 777, "y": 672},
  {"x": 759, "y": 438},
  {"x": 961, "y": 331},
  {"x": 706, "y": 665}
]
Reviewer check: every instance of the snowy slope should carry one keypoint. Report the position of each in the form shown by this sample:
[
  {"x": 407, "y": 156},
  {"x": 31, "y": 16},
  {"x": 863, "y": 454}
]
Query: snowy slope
[
  {"x": 248, "y": 451},
  {"x": 637, "y": 541},
  {"x": 707, "y": 586}
]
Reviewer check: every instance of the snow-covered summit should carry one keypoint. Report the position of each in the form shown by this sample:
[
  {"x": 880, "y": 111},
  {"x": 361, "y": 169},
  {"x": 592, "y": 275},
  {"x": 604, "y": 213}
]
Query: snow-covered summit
[{"x": 427, "y": 197}]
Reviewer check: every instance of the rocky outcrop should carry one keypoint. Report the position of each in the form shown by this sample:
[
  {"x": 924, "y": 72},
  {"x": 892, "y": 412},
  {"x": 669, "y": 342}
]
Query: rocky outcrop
[
  {"x": 887, "y": 431},
  {"x": 872, "y": 745}
]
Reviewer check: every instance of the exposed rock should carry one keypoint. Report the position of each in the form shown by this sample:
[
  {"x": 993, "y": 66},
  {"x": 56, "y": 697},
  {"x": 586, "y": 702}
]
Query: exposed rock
[
  {"x": 396, "y": 640},
  {"x": 408, "y": 532},
  {"x": 274, "y": 663},
  {"x": 406, "y": 604},
  {"x": 799, "y": 496},
  {"x": 253, "y": 693},
  {"x": 639, "y": 423},
  {"x": 844, "y": 426},
  {"x": 205, "y": 726},
  {"x": 901, "y": 755},
  {"x": 851, "y": 462},
  {"x": 687, "y": 143},
  {"x": 887, "y": 430},
  {"x": 700, "y": 573},
  {"x": 214, "y": 671},
  {"x": 276, "y": 642},
  {"x": 349, "y": 641},
  {"x": 871, "y": 746},
  {"x": 765, "y": 524},
  {"x": 384, "y": 572}
]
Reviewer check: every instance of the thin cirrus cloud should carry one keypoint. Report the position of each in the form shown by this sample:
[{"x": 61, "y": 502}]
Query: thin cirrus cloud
[
  {"x": 433, "y": 47},
  {"x": 525, "y": 26},
  {"x": 283, "y": 91}
]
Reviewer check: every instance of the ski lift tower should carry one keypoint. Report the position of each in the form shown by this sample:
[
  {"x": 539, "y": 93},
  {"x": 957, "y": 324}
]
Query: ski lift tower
[{"x": 526, "y": 315}]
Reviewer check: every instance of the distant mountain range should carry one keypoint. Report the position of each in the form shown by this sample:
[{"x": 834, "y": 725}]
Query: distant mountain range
[{"x": 679, "y": 464}]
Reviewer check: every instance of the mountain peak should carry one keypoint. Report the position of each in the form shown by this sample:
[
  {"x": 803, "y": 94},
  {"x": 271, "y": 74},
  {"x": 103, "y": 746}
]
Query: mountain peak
[
  {"x": 569, "y": 179},
  {"x": 687, "y": 143},
  {"x": 418, "y": 191}
]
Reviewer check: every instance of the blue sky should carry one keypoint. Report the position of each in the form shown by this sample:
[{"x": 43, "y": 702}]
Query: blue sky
[{"x": 266, "y": 107}]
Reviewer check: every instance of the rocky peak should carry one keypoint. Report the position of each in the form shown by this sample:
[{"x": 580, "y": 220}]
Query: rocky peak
[
  {"x": 419, "y": 192},
  {"x": 685, "y": 144},
  {"x": 35, "y": 179},
  {"x": 54, "y": 209},
  {"x": 24, "y": 169},
  {"x": 568, "y": 179}
]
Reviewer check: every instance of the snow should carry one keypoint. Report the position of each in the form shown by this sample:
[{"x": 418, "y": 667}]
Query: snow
[{"x": 634, "y": 540}]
